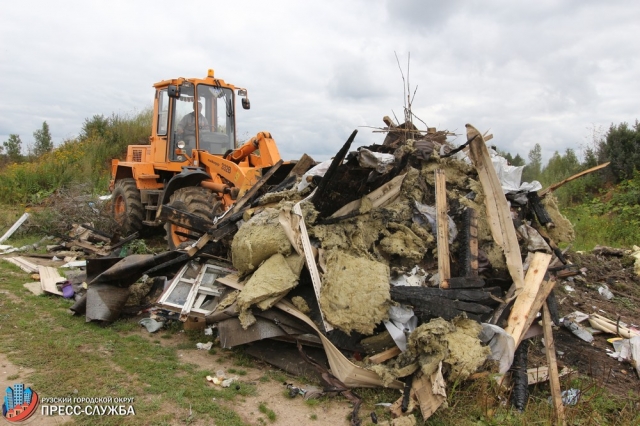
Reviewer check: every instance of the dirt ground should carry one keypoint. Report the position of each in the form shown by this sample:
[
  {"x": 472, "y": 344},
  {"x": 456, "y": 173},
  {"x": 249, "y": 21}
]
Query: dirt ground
[
  {"x": 11, "y": 374},
  {"x": 591, "y": 358},
  {"x": 289, "y": 411}
]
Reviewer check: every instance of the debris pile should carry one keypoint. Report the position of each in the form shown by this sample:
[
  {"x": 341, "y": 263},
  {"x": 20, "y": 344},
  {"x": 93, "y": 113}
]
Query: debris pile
[{"x": 406, "y": 265}]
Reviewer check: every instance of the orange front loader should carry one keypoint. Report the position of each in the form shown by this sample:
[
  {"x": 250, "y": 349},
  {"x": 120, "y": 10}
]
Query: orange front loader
[{"x": 193, "y": 162}]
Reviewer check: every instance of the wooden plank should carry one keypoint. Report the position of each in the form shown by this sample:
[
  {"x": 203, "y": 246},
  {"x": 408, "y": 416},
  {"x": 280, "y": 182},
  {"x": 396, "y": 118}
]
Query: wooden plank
[
  {"x": 554, "y": 379},
  {"x": 49, "y": 277},
  {"x": 311, "y": 262},
  {"x": 302, "y": 165},
  {"x": 498, "y": 212},
  {"x": 14, "y": 228},
  {"x": 386, "y": 355},
  {"x": 23, "y": 264},
  {"x": 543, "y": 293},
  {"x": 386, "y": 193},
  {"x": 555, "y": 186},
  {"x": 521, "y": 313},
  {"x": 442, "y": 226}
]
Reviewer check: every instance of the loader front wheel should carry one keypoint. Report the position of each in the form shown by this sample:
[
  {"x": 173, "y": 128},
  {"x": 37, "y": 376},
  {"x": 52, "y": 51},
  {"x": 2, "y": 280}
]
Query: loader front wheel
[
  {"x": 127, "y": 207},
  {"x": 195, "y": 200}
]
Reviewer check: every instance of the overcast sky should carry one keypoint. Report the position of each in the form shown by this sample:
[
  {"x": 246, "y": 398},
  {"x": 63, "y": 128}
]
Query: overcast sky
[{"x": 544, "y": 72}]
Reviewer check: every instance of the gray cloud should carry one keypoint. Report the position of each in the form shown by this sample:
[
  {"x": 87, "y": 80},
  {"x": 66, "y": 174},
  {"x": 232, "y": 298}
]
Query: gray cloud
[{"x": 543, "y": 72}]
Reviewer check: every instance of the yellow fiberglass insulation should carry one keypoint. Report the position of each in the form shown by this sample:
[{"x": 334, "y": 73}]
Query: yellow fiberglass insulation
[
  {"x": 257, "y": 240},
  {"x": 355, "y": 292}
]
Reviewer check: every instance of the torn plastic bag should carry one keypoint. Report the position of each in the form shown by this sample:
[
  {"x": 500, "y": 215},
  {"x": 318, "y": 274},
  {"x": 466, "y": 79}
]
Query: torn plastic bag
[
  {"x": 375, "y": 160},
  {"x": 501, "y": 343},
  {"x": 427, "y": 214},
  {"x": 402, "y": 322},
  {"x": 318, "y": 170}
]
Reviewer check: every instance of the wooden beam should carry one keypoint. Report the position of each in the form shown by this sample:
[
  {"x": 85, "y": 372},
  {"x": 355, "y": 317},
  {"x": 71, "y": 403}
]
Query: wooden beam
[
  {"x": 498, "y": 212},
  {"x": 555, "y": 186},
  {"x": 304, "y": 163},
  {"x": 386, "y": 355},
  {"x": 521, "y": 312},
  {"x": 442, "y": 225},
  {"x": 14, "y": 228},
  {"x": 554, "y": 379}
]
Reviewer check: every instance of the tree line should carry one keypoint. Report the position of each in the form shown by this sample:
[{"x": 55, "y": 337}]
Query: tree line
[
  {"x": 620, "y": 146},
  {"x": 11, "y": 149}
]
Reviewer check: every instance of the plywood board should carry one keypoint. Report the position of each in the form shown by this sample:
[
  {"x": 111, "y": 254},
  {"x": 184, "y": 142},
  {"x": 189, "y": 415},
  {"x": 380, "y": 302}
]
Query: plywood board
[
  {"x": 49, "y": 277},
  {"x": 23, "y": 264},
  {"x": 442, "y": 229}
]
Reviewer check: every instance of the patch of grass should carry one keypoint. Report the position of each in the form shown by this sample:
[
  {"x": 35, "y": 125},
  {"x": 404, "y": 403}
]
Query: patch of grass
[
  {"x": 238, "y": 372},
  {"x": 312, "y": 402},
  {"x": 242, "y": 360},
  {"x": 275, "y": 375},
  {"x": 13, "y": 377},
  {"x": 313, "y": 417},
  {"x": 66, "y": 354},
  {"x": 271, "y": 415}
]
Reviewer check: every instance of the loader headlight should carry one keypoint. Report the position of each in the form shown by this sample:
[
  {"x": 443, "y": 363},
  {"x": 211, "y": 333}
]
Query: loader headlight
[{"x": 181, "y": 144}]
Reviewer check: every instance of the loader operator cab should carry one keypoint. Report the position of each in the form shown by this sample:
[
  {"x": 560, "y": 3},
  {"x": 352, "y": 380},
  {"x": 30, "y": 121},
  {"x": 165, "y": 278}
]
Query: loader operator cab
[{"x": 202, "y": 118}]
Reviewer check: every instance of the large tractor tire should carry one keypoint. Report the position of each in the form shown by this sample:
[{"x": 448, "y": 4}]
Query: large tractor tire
[
  {"x": 127, "y": 206},
  {"x": 195, "y": 200}
]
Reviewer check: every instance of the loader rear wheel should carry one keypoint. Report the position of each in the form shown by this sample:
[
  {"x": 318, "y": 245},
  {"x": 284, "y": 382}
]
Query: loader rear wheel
[
  {"x": 195, "y": 200},
  {"x": 127, "y": 207}
]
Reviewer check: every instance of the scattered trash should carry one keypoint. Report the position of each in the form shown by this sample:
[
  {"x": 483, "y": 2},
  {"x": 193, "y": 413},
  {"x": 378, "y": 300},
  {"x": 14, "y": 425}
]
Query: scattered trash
[
  {"x": 605, "y": 292},
  {"x": 577, "y": 329},
  {"x": 569, "y": 396},
  {"x": 398, "y": 257},
  {"x": 227, "y": 382},
  {"x": 151, "y": 325},
  {"x": 67, "y": 290}
]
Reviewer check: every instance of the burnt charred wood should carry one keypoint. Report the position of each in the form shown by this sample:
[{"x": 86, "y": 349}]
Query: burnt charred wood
[
  {"x": 466, "y": 282},
  {"x": 519, "y": 377},
  {"x": 538, "y": 209},
  {"x": 458, "y": 149},
  {"x": 552, "y": 304},
  {"x": 124, "y": 241},
  {"x": 608, "y": 251},
  {"x": 429, "y": 308},
  {"x": 406, "y": 396},
  {"x": 177, "y": 262},
  {"x": 185, "y": 219},
  {"x": 331, "y": 173},
  {"x": 478, "y": 296},
  {"x": 286, "y": 184}
]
